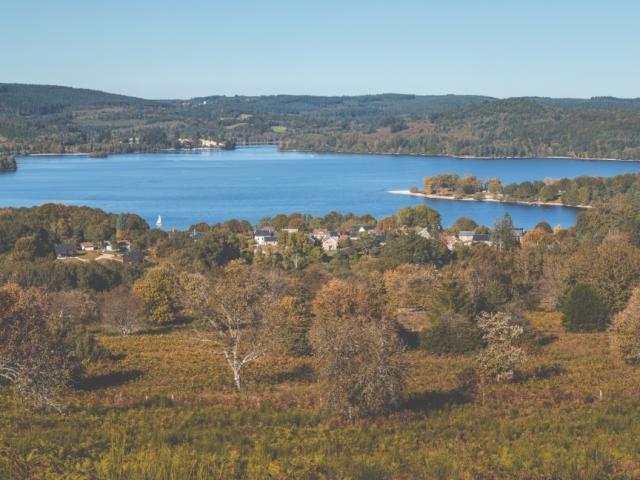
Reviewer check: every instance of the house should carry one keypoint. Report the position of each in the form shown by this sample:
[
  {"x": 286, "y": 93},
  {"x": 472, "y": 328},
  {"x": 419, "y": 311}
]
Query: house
[
  {"x": 290, "y": 230},
  {"x": 185, "y": 142},
  {"x": 330, "y": 243},
  {"x": 518, "y": 233},
  {"x": 482, "y": 238},
  {"x": 423, "y": 232},
  {"x": 107, "y": 246},
  {"x": 264, "y": 237},
  {"x": 87, "y": 246},
  {"x": 123, "y": 245},
  {"x": 265, "y": 231},
  {"x": 450, "y": 241},
  {"x": 208, "y": 143},
  {"x": 133, "y": 257},
  {"x": 466, "y": 236},
  {"x": 64, "y": 250},
  {"x": 319, "y": 233},
  {"x": 196, "y": 235},
  {"x": 357, "y": 230}
]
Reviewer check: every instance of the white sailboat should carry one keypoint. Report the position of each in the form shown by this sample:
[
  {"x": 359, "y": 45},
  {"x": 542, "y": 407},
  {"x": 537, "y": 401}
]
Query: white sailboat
[{"x": 159, "y": 222}]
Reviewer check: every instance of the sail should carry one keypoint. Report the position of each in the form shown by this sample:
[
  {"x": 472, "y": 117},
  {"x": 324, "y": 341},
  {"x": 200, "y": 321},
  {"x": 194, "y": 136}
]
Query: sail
[{"x": 159, "y": 222}]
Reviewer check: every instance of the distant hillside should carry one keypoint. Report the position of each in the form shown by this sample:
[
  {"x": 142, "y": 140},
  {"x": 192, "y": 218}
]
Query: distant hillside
[
  {"x": 44, "y": 118},
  {"x": 594, "y": 103},
  {"x": 346, "y": 106},
  {"x": 46, "y": 99},
  {"x": 504, "y": 128}
]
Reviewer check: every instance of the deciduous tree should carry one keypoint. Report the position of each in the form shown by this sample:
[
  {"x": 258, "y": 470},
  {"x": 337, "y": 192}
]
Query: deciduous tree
[
  {"x": 626, "y": 330},
  {"x": 502, "y": 355},
  {"x": 232, "y": 310}
]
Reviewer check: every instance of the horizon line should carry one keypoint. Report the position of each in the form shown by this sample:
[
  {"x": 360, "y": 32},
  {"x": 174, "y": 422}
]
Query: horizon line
[{"x": 345, "y": 95}]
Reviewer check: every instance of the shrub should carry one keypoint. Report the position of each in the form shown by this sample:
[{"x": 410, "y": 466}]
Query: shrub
[
  {"x": 585, "y": 310},
  {"x": 502, "y": 356}
]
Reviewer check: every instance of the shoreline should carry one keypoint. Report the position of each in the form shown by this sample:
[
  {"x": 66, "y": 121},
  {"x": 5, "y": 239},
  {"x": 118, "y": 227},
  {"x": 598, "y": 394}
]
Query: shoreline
[
  {"x": 346, "y": 152},
  {"x": 461, "y": 157},
  {"x": 492, "y": 200}
]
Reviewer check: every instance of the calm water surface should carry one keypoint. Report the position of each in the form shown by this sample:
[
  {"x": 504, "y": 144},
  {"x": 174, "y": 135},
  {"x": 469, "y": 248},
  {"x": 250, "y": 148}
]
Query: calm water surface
[{"x": 250, "y": 183}]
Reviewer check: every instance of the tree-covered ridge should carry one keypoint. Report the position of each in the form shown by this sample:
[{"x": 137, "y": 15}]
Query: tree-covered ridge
[
  {"x": 24, "y": 99},
  {"x": 502, "y": 128},
  {"x": 36, "y": 118}
]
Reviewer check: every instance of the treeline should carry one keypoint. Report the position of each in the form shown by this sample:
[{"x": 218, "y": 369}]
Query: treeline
[
  {"x": 582, "y": 190},
  {"x": 503, "y": 128}
]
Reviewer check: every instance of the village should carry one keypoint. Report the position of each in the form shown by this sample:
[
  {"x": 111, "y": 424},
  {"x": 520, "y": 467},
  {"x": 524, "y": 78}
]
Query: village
[{"x": 266, "y": 237}]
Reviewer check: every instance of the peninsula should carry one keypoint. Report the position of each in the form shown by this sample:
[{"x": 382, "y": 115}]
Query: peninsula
[{"x": 580, "y": 192}]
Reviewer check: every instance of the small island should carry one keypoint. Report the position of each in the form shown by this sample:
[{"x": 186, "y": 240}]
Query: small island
[
  {"x": 580, "y": 192},
  {"x": 8, "y": 164}
]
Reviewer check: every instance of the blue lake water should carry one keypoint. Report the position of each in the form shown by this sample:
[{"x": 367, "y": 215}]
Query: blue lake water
[{"x": 254, "y": 182}]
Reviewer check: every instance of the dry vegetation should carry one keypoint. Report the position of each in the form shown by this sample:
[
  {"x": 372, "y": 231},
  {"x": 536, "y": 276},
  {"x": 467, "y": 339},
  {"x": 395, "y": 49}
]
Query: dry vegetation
[{"x": 165, "y": 408}]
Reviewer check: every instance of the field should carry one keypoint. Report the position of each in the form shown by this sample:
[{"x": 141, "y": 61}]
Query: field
[{"x": 164, "y": 408}]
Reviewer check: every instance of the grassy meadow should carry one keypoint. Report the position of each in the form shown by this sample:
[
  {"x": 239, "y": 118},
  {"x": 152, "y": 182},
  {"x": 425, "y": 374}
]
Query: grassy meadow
[{"x": 164, "y": 408}]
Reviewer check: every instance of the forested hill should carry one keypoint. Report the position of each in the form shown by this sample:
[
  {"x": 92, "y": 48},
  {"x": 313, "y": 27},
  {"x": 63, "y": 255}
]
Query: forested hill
[
  {"x": 53, "y": 119},
  {"x": 515, "y": 127},
  {"x": 43, "y": 99}
]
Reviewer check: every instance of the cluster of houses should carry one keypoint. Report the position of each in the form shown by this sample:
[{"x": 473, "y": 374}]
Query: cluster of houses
[
  {"x": 330, "y": 239},
  {"x": 469, "y": 237},
  {"x": 68, "y": 250},
  {"x": 326, "y": 238},
  {"x": 187, "y": 142}
]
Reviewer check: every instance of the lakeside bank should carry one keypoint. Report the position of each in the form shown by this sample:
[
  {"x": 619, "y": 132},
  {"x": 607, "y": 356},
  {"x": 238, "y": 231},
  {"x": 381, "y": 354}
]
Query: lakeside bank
[{"x": 489, "y": 199}]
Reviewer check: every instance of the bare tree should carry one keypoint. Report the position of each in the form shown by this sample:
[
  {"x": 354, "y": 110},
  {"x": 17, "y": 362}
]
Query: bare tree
[
  {"x": 122, "y": 311},
  {"x": 232, "y": 311}
]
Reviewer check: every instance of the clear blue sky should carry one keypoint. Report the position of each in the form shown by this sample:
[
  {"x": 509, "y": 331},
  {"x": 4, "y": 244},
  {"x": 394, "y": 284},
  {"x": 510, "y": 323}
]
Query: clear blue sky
[{"x": 180, "y": 49}]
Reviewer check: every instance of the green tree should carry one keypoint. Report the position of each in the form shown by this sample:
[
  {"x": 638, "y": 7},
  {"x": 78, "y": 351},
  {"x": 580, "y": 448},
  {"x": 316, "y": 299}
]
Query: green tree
[
  {"x": 412, "y": 248},
  {"x": 585, "y": 310},
  {"x": 503, "y": 237},
  {"x": 159, "y": 294}
]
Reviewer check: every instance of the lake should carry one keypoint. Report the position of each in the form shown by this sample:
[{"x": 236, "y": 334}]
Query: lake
[{"x": 249, "y": 183}]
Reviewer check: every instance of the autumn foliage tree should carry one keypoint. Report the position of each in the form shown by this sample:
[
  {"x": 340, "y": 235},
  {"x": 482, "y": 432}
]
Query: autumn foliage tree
[
  {"x": 612, "y": 267},
  {"x": 34, "y": 359},
  {"x": 410, "y": 286},
  {"x": 359, "y": 355},
  {"x": 158, "y": 292},
  {"x": 626, "y": 330},
  {"x": 290, "y": 319}
]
